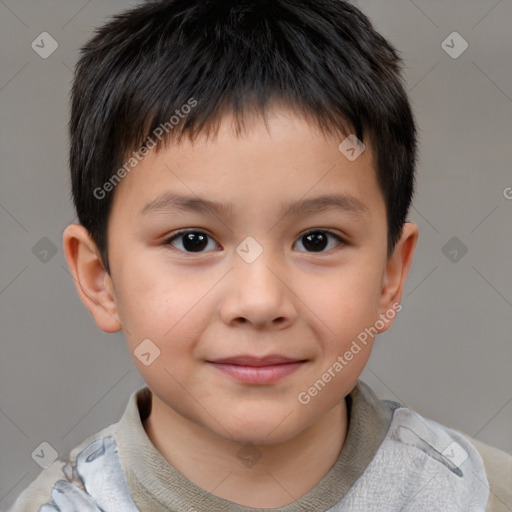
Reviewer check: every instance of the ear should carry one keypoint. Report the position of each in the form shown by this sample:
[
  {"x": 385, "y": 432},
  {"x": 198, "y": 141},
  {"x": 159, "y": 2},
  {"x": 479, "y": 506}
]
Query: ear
[
  {"x": 92, "y": 282},
  {"x": 397, "y": 268}
]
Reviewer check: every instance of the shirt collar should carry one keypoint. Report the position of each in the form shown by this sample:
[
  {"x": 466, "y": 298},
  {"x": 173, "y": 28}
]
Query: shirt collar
[{"x": 156, "y": 485}]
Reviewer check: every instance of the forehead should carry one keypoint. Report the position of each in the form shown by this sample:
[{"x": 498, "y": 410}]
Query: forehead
[{"x": 281, "y": 162}]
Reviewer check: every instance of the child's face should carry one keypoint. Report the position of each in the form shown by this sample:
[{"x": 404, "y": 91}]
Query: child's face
[{"x": 201, "y": 300}]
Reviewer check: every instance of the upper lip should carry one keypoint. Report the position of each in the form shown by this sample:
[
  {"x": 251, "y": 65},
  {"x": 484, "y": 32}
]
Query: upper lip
[{"x": 247, "y": 360}]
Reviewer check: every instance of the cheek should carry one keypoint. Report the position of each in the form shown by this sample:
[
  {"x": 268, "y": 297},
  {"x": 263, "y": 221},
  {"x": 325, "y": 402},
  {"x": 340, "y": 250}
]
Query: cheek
[
  {"x": 352, "y": 305},
  {"x": 171, "y": 315},
  {"x": 146, "y": 296},
  {"x": 169, "y": 331}
]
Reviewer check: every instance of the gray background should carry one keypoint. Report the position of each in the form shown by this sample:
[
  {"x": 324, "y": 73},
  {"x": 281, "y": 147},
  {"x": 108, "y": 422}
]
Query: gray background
[{"x": 449, "y": 352}]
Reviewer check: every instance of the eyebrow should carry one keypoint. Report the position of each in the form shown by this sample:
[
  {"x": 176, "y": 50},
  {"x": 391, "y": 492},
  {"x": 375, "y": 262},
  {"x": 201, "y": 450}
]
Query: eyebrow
[{"x": 170, "y": 203}]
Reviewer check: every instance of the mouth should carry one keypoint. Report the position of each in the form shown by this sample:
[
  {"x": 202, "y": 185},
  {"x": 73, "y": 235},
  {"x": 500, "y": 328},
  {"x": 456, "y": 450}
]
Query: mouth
[{"x": 257, "y": 370}]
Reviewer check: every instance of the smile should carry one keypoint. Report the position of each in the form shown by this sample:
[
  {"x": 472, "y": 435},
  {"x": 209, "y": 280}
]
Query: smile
[{"x": 257, "y": 371}]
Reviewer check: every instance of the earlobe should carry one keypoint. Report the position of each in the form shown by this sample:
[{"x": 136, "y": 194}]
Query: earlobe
[
  {"x": 397, "y": 269},
  {"x": 91, "y": 280}
]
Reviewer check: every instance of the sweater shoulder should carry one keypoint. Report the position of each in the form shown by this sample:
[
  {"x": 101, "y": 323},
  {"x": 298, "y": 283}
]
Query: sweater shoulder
[
  {"x": 421, "y": 465},
  {"x": 38, "y": 493},
  {"x": 498, "y": 466}
]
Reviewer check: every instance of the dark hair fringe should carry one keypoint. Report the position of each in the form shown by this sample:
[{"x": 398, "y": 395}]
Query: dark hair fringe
[{"x": 320, "y": 58}]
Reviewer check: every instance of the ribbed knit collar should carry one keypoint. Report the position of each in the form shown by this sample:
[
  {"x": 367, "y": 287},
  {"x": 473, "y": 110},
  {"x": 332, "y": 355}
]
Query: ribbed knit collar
[{"x": 157, "y": 486}]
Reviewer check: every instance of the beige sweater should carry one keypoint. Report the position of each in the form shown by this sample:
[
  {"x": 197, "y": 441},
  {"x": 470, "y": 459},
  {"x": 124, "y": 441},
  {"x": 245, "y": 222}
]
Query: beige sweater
[
  {"x": 138, "y": 478},
  {"x": 498, "y": 466}
]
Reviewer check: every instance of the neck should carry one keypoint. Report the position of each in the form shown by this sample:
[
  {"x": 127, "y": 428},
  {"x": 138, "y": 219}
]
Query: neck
[{"x": 260, "y": 476}]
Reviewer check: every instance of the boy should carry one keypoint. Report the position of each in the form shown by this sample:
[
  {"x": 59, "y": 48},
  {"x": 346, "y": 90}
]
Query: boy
[{"x": 242, "y": 173}]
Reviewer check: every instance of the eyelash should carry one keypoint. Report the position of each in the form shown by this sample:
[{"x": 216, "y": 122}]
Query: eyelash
[{"x": 177, "y": 235}]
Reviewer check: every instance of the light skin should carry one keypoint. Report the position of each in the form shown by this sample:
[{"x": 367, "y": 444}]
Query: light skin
[{"x": 293, "y": 300}]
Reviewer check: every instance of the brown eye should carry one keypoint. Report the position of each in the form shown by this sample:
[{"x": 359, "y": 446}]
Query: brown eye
[
  {"x": 190, "y": 241},
  {"x": 317, "y": 241}
]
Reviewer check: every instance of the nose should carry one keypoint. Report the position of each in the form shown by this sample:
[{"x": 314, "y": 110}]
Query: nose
[{"x": 258, "y": 294}]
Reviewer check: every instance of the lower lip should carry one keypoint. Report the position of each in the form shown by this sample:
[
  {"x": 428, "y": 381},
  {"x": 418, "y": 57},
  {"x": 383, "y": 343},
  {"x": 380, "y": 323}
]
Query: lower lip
[{"x": 258, "y": 374}]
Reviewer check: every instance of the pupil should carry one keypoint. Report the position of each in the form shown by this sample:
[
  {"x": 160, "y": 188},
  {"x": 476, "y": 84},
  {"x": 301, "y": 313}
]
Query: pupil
[
  {"x": 316, "y": 240},
  {"x": 194, "y": 241}
]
